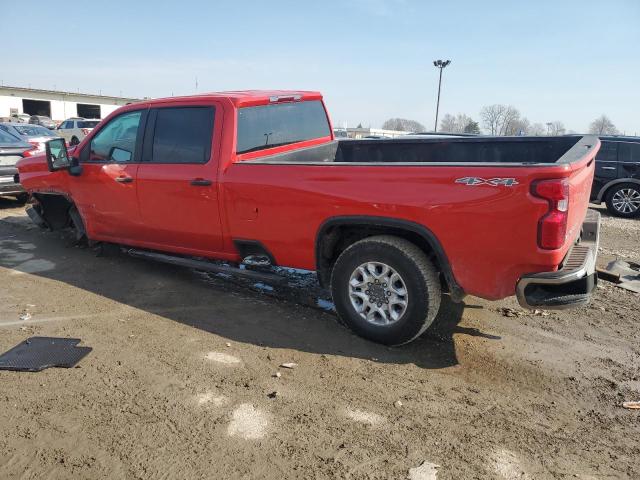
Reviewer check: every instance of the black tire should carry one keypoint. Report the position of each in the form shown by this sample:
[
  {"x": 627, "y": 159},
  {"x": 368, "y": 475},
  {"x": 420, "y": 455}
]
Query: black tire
[
  {"x": 624, "y": 190},
  {"x": 420, "y": 278},
  {"x": 22, "y": 198},
  {"x": 74, "y": 141}
]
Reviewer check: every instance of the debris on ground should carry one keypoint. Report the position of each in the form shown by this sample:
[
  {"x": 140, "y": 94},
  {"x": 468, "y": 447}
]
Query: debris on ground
[
  {"x": 272, "y": 394},
  {"x": 622, "y": 274},
  {"x": 25, "y": 317},
  {"x": 38, "y": 353},
  {"x": 510, "y": 312},
  {"x": 398, "y": 404},
  {"x": 426, "y": 471},
  {"x": 631, "y": 405},
  {"x": 289, "y": 365},
  {"x": 277, "y": 375},
  {"x": 228, "y": 344}
]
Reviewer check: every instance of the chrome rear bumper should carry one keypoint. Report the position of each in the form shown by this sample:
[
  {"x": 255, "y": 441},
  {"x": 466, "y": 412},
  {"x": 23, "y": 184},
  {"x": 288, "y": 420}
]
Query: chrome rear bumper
[{"x": 571, "y": 285}]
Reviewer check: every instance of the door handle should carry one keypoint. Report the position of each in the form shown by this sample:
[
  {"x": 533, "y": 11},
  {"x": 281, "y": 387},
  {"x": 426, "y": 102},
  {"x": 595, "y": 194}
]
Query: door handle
[
  {"x": 608, "y": 168},
  {"x": 124, "y": 179},
  {"x": 201, "y": 182}
]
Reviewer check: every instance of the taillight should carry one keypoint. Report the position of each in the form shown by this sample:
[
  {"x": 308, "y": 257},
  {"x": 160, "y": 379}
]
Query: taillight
[
  {"x": 552, "y": 227},
  {"x": 37, "y": 146},
  {"x": 33, "y": 150}
]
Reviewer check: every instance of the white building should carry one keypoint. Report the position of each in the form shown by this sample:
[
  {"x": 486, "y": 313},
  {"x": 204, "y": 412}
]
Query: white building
[
  {"x": 57, "y": 105},
  {"x": 374, "y": 132}
]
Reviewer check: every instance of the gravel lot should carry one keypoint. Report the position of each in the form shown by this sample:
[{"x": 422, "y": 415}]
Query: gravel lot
[{"x": 182, "y": 380}]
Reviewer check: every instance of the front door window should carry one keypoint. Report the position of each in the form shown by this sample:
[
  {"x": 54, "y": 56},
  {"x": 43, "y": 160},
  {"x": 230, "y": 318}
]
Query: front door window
[{"x": 116, "y": 142}]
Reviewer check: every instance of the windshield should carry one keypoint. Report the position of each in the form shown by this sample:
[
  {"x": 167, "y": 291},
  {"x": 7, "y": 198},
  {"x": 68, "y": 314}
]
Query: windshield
[
  {"x": 34, "y": 131},
  {"x": 88, "y": 123}
]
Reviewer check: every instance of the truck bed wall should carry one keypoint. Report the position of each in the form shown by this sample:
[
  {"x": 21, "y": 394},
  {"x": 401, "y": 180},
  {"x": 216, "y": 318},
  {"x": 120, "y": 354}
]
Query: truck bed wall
[{"x": 476, "y": 150}]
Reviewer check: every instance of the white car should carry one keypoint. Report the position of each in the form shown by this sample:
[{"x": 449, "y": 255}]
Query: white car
[
  {"x": 73, "y": 130},
  {"x": 20, "y": 117}
]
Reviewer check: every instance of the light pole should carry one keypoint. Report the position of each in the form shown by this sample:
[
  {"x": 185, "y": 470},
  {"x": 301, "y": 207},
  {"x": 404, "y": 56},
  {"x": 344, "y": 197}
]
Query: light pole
[{"x": 441, "y": 64}]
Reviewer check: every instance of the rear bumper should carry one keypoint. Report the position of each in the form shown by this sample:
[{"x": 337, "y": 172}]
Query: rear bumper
[{"x": 571, "y": 285}]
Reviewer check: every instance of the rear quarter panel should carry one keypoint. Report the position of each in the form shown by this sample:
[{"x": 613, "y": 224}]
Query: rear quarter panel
[{"x": 489, "y": 233}]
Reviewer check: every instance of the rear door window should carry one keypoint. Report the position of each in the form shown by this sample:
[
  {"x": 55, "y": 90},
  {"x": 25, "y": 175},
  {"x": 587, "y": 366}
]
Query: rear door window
[
  {"x": 608, "y": 152},
  {"x": 269, "y": 126},
  {"x": 182, "y": 135},
  {"x": 629, "y": 152}
]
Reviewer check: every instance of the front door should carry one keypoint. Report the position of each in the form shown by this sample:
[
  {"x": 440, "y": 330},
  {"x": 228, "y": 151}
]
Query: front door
[
  {"x": 105, "y": 192},
  {"x": 177, "y": 180}
]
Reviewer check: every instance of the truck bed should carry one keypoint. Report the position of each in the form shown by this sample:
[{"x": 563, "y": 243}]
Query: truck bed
[{"x": 506, "y": 151}]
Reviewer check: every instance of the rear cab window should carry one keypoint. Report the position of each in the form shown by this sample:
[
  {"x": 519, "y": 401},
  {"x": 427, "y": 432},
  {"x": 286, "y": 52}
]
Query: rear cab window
[{"x": 269, "y": 126}]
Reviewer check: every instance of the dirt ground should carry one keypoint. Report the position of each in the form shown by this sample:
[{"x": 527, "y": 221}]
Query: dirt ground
[{"x": 182, "y": 380}]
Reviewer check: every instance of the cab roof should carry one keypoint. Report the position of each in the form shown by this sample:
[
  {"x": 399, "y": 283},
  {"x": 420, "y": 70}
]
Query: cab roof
[{"x": 244, "y": 98}]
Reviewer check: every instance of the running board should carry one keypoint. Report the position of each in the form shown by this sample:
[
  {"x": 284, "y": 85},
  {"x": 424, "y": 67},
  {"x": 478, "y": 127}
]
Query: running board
[{"x": 205, "y": 265}]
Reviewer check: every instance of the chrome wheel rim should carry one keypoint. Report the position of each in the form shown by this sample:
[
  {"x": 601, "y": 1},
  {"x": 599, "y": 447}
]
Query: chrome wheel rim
[
  {"x": 626, "y": 200},
  {"x": 378, "y": 293}
]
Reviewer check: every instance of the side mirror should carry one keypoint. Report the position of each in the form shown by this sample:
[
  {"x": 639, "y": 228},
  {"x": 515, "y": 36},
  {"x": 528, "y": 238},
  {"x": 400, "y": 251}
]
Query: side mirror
[{"x": 57, "y": 156}]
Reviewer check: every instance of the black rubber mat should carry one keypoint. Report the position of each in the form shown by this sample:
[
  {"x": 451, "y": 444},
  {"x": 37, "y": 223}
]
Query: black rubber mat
[{"x": 37, "y": 353}]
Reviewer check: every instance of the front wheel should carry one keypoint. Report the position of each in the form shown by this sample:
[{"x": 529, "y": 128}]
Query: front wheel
[
  {"x": 386, "y": 289},
  {"x": 623, "y": 200},
  {"x": 22, "y": 198},
  {"x": 74, "y": 141}
]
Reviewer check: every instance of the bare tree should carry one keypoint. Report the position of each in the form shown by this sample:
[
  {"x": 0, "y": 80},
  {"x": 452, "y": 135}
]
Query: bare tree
[
  {"x": 502, "y": 119},
  {"x": 556, "y": 128},
  {"x": 403, "y": 125},
  {"x": 492, "y": 118},
  {"x": 448, "y": 124},
  {"x": 603, "y": 126},
  {"x": 537, "y": 130},
  {"x": 457, "y": 124}
]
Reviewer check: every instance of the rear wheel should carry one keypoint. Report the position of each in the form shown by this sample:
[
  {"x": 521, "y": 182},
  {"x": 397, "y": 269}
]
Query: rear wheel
[
  {"x": 386, "y": 289},
  {"x": 623, "y": 200},
  {"x": 74, "y": 141}
]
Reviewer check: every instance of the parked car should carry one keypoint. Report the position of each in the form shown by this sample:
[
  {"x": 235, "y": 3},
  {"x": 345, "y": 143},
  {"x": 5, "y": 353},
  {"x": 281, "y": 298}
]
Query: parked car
[
  {"x": 617, "y": 177},
  {"x": 42, "y": 121},
  {"x": 73, "y": 130},
  {"x": 12, "y": 149},
  {"x": 20, "y": 117},
  {"x": 258, "y": 178},
  {"x": 33, "y": 134}
]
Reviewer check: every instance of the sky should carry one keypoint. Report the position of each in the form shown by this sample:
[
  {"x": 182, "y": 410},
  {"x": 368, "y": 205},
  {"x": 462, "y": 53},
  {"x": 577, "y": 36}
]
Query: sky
[{"x": 372, "y": 59}]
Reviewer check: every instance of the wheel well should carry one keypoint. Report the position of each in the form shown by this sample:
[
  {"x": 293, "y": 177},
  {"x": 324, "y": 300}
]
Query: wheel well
[
  {"x": 336, "y": 236},
  {"x": 54, "y": 209},
  {"x": 604, "y": 191}
]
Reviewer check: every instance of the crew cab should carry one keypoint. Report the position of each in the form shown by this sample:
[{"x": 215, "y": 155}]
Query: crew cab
[{"x": 257, "y": 178}]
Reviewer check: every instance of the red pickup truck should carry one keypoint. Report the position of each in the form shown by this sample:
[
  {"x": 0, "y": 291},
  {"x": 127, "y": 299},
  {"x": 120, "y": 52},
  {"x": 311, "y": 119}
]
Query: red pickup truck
[{"x": 257, "y": 178}]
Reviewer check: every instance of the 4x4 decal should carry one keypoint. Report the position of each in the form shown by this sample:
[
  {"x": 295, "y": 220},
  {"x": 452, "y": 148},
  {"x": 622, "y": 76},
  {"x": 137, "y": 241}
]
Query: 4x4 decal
[{"x": 494, "y": 182}]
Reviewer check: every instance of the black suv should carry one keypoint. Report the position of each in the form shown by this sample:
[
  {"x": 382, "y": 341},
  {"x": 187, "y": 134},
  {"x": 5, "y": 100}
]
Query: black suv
[{"x": 617, "y": 177}]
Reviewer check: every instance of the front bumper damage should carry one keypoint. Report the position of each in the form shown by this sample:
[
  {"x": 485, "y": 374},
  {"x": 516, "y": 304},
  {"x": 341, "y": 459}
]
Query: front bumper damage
[{"x": 572, "y": 284}]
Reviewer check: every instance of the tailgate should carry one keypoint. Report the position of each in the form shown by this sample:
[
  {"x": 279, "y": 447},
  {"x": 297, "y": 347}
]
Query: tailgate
[{"x": 580, "y": 181}]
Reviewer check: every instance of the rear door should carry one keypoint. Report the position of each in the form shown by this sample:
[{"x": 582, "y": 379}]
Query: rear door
[
  {"x": 629, "y": 160},
  {"x": 177, "y": 179},
  {"x": 606, "y": 166},
  {"x": 105, "y": 192}
]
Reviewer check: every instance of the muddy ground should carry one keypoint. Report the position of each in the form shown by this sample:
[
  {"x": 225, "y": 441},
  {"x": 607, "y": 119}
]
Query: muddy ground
[{"x": 182, "y": 380}]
